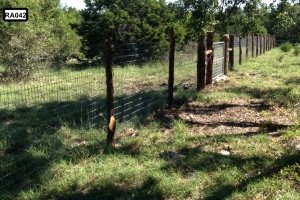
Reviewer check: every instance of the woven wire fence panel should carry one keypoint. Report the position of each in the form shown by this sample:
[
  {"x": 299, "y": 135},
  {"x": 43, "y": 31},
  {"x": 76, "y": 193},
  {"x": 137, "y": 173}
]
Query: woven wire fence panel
[
  {"x": 242, "y": 49},
  {"x": 247, "y": 54},
  {"x": 218, "y": 66},
  {"x": 249, "y": 46},
  {"x": 185, "y": 66},
  {"x": 140, "y": 76},
  {"x": 236, "y": 50},
  {"x": 35, "y": 112}
]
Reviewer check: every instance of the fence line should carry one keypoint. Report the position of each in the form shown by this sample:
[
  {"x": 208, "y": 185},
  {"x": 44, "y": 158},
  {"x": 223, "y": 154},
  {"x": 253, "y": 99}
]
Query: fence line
[{"x": 34, "y": 112}]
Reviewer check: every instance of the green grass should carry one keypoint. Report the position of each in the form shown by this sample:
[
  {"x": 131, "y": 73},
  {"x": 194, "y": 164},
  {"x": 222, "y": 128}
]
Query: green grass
[{"x": 65, "y": 160}]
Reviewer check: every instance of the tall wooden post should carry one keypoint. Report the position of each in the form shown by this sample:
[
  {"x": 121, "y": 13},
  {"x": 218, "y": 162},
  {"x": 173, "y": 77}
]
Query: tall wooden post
[
  {"x": 111, "y": 126},
  {"x": 247, "y": 47},
  {"x": 263, "y": 43},
  {"x": 269, "y": 43},
  {"x": 260, "y": 44},
  {"x": 210, "y": 56},
  {"x": 231, "y": 52},
  {"x": 226, "y": 58},
  {"x": 252, "y": 45},
  {"x": 201, "y": 64},
  {"x": 171, "y": 68},
  {"x": 240, "y": 50},
  {"x": 256, "y": 45}
]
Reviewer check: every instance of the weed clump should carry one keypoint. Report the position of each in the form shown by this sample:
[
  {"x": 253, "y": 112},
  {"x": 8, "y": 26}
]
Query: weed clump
[
  {"x": 286, "y": 47},
  {"x": 297, "y": 49}
]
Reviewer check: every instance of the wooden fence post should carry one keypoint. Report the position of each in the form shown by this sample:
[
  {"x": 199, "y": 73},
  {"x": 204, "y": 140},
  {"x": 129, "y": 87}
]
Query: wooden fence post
[
  {"x": 240, "y": 50},
  {"x": 263, "y": 43},
  {"x": 226, "y": 58},
  {"x": 268, "y": 42},
  {"x": 247, "y": 47},
  {"x": 171, "y": 68},
  {"x": 111, "y": 126},
  {"x": 269, "y": 36},
  {"x": 252, "y": 45},
  {"x": 231, "y": 52},
  {"x": 201, "y": 64},
  {"x": 260, "y": 44},
  {"x": 210, "y": 56},
  {"x": 256, "y": 45}
]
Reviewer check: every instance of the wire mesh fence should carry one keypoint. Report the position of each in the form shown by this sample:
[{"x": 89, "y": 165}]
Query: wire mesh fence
[
  {"x": 32, "y": 111},
  {"x": 37, "y": 113},
  {"x": 139, "y": 80},
  {"x": 236, "y": 49},
  {"x": 185, "y": 66},
  {"x": 218, "y": 68}
]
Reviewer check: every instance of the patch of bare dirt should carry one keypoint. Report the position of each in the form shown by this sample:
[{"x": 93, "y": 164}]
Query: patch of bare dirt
[{"x": 241, "y": 116}]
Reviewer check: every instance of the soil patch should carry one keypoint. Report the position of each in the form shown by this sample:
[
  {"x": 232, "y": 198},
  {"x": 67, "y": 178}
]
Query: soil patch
[{"x": 240, "y": 116}]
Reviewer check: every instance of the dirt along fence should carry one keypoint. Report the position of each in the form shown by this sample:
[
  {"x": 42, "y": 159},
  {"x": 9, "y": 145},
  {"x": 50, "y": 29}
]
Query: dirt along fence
[{"x": 45, "y": 118}]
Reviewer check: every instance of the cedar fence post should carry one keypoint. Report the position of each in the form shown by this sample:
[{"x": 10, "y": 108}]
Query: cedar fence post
[
  {"x": 247, "y": 47},
  {"x": 269, "y": 41},
  {"x": 111, "y": 126},
  {"x": 256, "y": 45},
  {"x": 226, "y": 48},
  {"x": 252, "y": 45},
  {"x": 231, "y": 52},
  {"x": 201, "y": 64},
  {"x": 210, "y": 56},
  {"x": 260, "y": 44},
  {"x": 171, "y": 68},
  {"x": 240, "y": 50},
  {"x": 263, "y": 44}
]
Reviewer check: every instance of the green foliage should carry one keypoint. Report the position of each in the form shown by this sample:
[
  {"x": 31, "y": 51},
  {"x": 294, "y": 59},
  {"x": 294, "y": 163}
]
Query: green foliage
[
  {"x": 284, "y": 20},
  {"x": 292, "y": 133},
  {"x": 46, "y": 36},
  {"x": 201, "y": 17},
  {"x": 296, "y": 49},
  {"x": 130, "y": 21},
  {"x": 286, "y": 47}
]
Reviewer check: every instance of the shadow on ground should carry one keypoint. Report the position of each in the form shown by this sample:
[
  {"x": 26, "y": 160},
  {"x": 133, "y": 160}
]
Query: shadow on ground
[{"x": 32, "y": 138}]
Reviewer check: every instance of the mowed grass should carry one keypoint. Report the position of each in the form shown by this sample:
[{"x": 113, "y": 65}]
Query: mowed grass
[{"x": 151, "y": 161}]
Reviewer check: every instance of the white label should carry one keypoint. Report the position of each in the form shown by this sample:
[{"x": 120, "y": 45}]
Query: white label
[{"x": 15, "y": 14}]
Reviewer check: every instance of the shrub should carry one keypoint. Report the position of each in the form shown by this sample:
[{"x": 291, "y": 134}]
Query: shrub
[{"x": 286, "y": 47}]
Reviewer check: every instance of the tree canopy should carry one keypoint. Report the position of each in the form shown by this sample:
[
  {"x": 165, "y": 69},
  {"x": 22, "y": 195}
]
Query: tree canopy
[
  {"x": 46, "y": 36},
  {"x": 54, "y": 32}
]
